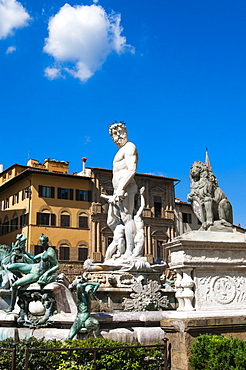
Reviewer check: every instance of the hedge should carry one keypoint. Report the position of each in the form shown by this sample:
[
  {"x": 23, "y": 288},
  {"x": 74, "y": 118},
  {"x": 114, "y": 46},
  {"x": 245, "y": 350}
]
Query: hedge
[
  {"x": 128, "y": 359},
  {"x": 216, "y": 352}
]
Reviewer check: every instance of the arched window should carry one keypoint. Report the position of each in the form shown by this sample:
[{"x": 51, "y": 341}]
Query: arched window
[
  {"x": 83, "y": 221},
  {"x": 14, "y": 223},
  {"x": 46, "y": 218},
  {"x": 63, "y": 247},
  {"x": 64, "y": 252},
  {"x": 65, "y": 219},
  {"x": 24, "y": 219}
]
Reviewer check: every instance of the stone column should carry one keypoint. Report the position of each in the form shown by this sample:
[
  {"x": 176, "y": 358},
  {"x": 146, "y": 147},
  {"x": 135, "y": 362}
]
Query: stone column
[
  {"x": 187, "y": 294},
  {"x": 179, "y": 290},
  {"x": 145, "y": 240},
  {"x": 149, "y": 241},
  {"x": 93, "y": 236},
  {"x": 98, "y": 238}
]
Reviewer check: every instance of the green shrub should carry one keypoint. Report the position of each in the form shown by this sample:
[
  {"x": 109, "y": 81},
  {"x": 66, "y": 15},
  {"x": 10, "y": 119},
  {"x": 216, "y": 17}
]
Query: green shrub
[
  {"x": 216, "y": 352},
  {"x": 128, "y": 359}
]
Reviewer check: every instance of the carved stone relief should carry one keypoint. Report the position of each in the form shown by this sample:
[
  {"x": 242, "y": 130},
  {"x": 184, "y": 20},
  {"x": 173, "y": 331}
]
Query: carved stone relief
[
  {"x": 226, "y": 290},
  {"x": 145, "y": 297}
]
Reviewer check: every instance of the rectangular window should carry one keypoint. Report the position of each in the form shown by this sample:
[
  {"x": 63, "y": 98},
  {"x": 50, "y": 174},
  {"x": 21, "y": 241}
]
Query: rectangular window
[
  {"x": 65, "y": 253},
  {"x": 26, "y": 193},
  {"x": 46, "y": 191},
  {"x": 65, "y": 193},
  {"x": 157, "y": 206},
  {"x": 38, "y": 249},
  {"x": 24, "y": 220},
  {"x": 82, "y": 253},
  {"x": 83, "y": 195},
  {"x": 160, "y": 250},
  {"x": 15, "y": 198},
  {"x": 6, "y": 203},
  {"x": 186, "y": 217},
  {"x": 46, "y": 219},
  {"x": 83, "y": 222},
  {"x": 65, "y": 221},
  {"x": 14, "y": 224}
]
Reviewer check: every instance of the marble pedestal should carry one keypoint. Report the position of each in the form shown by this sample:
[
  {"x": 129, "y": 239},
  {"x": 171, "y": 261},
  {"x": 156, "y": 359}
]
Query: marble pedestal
[
  {"x": 128, "y": 327},
  {"x": 211, "y": 270},
  {"x": 21, "y": 323},
  {"x": 121, "y": 289}
]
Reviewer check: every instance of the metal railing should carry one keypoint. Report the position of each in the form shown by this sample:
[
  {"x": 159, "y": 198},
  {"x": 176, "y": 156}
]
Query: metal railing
[
  {"x": 13, "y": 350},
  {"x": 165, "y": 348}
]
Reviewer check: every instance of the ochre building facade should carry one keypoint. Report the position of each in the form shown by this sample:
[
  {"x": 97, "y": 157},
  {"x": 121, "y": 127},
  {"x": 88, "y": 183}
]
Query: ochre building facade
[{"x": 45, "y": 198}]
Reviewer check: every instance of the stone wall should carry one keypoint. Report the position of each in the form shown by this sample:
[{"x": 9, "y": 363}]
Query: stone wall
[{"x": 182, "y": 332}]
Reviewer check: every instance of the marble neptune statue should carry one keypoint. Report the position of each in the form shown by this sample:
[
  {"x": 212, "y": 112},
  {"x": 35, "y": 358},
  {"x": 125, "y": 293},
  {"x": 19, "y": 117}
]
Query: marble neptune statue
[
  {"x": 126, "y": 251},
  {"x": 121, "y": 203}
]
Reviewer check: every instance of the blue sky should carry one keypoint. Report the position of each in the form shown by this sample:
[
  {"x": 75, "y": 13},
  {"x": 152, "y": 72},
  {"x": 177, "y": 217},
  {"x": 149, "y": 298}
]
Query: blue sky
[{"x": 173, "y": 70}]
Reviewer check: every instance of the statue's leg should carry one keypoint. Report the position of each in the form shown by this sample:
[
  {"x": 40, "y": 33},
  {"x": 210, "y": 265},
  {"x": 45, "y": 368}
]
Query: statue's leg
[
  {"x": 28, "y": 279},
  {"x": 208, "y": 205},
  {"x": 225, "y": 210},
  {"x": 110, "y": 250},
  {"x": 75, "y": 328},
  {"x": 92, "y": 324},
  {"x": 13, "y": 298},
  {"x": 126, "y": 210},
  {"x": 129, "y": 233},
  {"x": 20, "y": 268}
]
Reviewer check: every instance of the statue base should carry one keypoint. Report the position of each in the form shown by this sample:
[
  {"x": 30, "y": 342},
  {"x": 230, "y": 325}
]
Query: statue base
[
  {"x": 129, "y": 289},
  {"x": 211, "y": 270},
  {"x": 125, "y": 327},
  {"x": 35, "y": 306}
]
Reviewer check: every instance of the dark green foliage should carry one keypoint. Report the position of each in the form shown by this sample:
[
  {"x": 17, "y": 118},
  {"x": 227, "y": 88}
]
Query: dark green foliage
[
  {"x": 128, "y": 359},
  {"x": 216, "y": 352}
]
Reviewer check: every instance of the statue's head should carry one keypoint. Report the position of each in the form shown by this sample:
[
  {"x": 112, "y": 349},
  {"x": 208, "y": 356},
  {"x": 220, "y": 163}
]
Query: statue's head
[
  {"x": 21, "y": 237},
  {"x": 118, "y": 133},
  {"x": 197, "y": 169},
  {"x": 200, "y": 170},
  {"x": 43, "y": 239}
]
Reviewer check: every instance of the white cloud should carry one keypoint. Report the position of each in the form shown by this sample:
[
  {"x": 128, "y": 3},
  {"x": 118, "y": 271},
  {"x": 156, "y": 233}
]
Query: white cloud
[
  {"x": 87, "y": 140},
  {"x": 84, "y": 36},
  {"x": 10, "y": 49},
  {"x": 52, "y": 73},
  {"x": 12, "y": 16}
]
